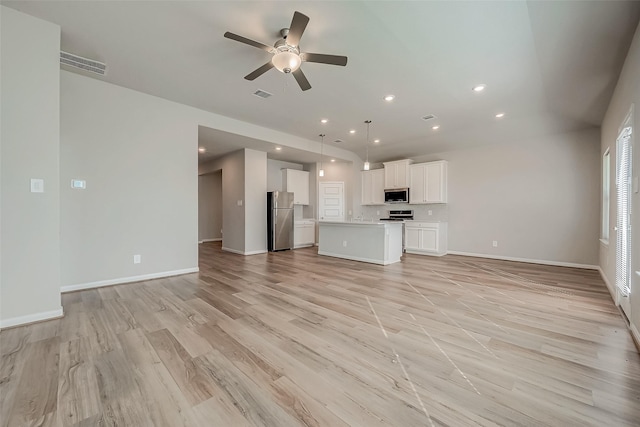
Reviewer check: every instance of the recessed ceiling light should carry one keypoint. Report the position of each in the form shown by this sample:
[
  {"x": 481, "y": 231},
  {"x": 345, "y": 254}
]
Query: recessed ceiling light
[
  {"x": 324, "y": 120},
  {"x": 201, "y": 150},
  {"x": 436, "y": 127},
  {"x": 499, "y": 115},
  {"x": 389, "y": 97},
  {"x": 479, "y": 88},
  {"x": 376, "y": 141},
  {"x": 352, "y": 131},
  {"x": 333, "y": 160},
  {"x": 278, "y": 148}
]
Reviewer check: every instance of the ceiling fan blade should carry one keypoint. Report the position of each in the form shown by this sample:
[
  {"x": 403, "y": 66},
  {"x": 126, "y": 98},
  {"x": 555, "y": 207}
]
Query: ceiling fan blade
[
  {"x": 324, "y": 59},
  {"x": 260, "y": 71},
  {"x": 298, "y": 24},
  {"x": 301, "y": 79},
  {"x": 248, "y": 41}
]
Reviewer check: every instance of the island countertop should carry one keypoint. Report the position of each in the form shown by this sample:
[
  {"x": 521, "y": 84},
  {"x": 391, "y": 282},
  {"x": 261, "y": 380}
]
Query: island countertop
[
  {"x": 361, "y": 222},
  {"x": 367, "y": 241}
]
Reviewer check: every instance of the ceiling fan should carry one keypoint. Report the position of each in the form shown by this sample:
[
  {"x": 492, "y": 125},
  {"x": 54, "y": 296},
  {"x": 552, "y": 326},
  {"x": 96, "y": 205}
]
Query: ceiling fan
[{"x": 287, "y": 57}]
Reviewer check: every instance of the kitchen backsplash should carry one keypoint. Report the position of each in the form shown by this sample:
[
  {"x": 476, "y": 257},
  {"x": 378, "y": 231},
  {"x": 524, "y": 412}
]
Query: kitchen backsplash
[{"x": 439, "y": 212}]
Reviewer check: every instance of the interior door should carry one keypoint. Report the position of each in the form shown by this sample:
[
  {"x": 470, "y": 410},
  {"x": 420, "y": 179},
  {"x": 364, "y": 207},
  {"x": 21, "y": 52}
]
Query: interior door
[
  {"x": 331, "y": 201},
  {"x": 623, "y": 216}
]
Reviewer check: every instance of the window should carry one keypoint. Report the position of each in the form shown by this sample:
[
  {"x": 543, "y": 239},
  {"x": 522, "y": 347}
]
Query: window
[
  {"x": 623, "y": 223},
  {"x": 606, "y": 186}
]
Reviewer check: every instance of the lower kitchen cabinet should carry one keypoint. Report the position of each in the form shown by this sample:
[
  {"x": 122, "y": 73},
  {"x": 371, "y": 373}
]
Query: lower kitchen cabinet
[
  {"x": 304, "y": 233},
  {"x": 425, "y": 238}
]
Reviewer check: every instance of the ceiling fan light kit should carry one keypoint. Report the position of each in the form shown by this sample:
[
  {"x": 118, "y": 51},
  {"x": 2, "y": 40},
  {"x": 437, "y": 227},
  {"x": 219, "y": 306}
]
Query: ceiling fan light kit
[
  {"x": 287, "y": 61},
  {"x": 287, "y": 57}
]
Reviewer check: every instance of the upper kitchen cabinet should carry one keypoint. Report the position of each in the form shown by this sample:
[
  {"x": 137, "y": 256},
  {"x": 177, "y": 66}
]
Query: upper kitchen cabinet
[
  {"x": 296, "y": 182},
  {"x": 373, "y": 187},
  {"x": 396, "y": 174},
  {"x": 428, "y": 183}
]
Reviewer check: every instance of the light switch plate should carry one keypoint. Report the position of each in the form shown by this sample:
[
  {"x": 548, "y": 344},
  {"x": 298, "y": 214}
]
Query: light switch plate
[
  {"x": 37, "y": 185},
  {"x": 78, "y": 184},
  {"x": 635, "y": 184}
]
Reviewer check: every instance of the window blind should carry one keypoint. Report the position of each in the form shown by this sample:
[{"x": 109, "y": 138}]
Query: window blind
[{"x": 623, "y": 223}]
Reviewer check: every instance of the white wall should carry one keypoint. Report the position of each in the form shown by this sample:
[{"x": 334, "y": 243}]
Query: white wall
[
  {"x": 210, "y": 206},
  {"x": 255, "y": 195},
  {"x": 537, "y": 198},
  {"x": 138, "y": 155},
  {"x": 627, "y": 92},
  {"x": 233, "y": 220},
  {"x": 30, "y": 140},
  {"x": 244, "y": 200}
]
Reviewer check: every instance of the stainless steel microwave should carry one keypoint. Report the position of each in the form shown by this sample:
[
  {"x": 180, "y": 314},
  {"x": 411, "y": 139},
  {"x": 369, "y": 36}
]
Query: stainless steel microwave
[{"x": 396, "y": 195}]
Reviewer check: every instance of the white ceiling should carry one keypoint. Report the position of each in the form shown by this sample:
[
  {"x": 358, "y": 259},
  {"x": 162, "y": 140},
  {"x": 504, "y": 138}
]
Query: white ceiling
[{"x": 551, "y": 66}]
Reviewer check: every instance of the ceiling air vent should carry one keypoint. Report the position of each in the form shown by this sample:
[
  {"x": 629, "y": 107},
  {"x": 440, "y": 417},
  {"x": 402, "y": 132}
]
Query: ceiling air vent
[
  {"x": 428, "y": 117},
  {"x": 261, "y": 93},
  {"x": 83, "y": 63},
  {"x": 338, "y": 141}
]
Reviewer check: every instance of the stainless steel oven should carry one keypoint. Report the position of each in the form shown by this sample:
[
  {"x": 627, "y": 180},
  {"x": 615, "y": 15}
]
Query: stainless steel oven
[{"x": 400, "y": 215}]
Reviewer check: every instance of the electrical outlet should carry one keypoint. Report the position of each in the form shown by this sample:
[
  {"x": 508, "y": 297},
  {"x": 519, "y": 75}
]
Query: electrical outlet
[
  {"x": 429, "y": 213},
  {"x": 495, "y": 243},
  {"x": 377, "y": 212},
  {"x": 137, "y": 259},
  {"x": 344, "y": 243}
]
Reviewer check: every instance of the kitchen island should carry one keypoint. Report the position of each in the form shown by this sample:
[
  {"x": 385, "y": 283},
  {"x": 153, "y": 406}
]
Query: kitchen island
[{"x": 366, "y": 241}]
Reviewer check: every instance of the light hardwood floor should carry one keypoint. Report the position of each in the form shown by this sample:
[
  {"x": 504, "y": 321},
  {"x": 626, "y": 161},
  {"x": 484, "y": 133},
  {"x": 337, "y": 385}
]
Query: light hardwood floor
[{"x": 291, "y": 338}]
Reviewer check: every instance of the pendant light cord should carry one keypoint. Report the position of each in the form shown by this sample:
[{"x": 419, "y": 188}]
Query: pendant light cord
[
  {"x": 368, "y": 122},
  {"x": 322, "y": 135}
]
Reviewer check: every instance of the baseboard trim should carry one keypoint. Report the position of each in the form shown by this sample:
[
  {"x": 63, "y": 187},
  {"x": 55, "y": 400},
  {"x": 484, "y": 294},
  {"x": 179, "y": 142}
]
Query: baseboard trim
[
  {"x": 218, "y": 239},
  {"x": 31, "y": 318},
  {"x": 262, "y": 251},
  {"x": 235, "y": 251},
  {"x": 527, "y": 260},
  {"x": 303, "y": 245},
  {"x": 606, "y": 282},
  {"x": 635, "y": 335},
  {"x": 355, "y": 258},
  {"x": 122, "y": 280},
  {"x": 419, "y": 252}
]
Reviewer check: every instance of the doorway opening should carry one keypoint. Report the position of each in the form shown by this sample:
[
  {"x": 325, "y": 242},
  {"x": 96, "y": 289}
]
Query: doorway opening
[{"x": 210, "y": 207}]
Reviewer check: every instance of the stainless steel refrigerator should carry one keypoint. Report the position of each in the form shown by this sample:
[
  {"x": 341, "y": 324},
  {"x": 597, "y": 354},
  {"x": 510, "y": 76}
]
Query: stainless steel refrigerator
[{"x": 279, "y": 220}]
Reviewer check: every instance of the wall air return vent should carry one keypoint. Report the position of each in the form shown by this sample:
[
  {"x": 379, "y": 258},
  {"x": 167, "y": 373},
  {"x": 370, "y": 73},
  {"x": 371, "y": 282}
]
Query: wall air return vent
[
  {"x": 83, "y": 63},
  {"x": 261, "y": 93}
]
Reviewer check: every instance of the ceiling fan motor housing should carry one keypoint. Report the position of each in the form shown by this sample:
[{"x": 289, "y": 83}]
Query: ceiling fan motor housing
[{"x": 286, "y": 54}]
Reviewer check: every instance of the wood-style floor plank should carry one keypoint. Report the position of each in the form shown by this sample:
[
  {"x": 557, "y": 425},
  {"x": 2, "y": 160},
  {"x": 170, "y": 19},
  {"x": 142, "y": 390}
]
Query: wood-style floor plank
[{"x": 296, "y": 339}]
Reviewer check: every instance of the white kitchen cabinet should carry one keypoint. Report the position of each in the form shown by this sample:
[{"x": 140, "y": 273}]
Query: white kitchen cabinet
[
  {"x": 373, "y": 187},
  {"x": 425, "y": 238},
  {"x": 396, "y": 174},
  {"x": 428, "y": 183},
  {"x": 296, "y": 182},
  {"x": 304, "y": 233}
]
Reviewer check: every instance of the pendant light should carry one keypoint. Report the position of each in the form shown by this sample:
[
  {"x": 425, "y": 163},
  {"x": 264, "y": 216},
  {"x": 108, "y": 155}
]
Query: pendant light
[
  {"x": 321, "y": 172},
  {"x": 366, "y": 164}
]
